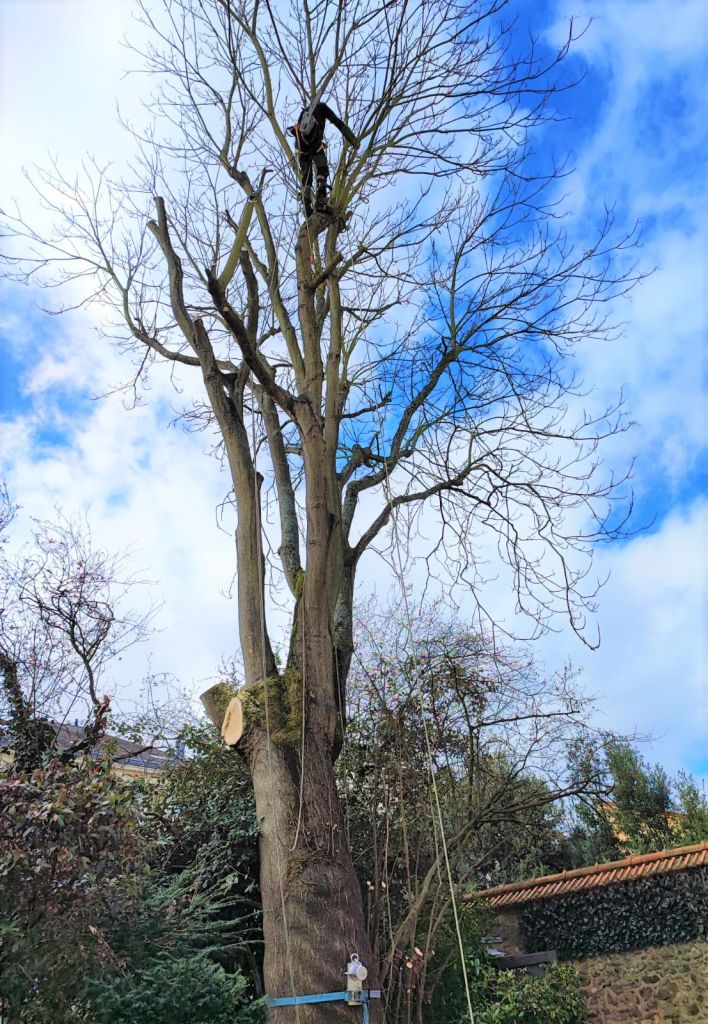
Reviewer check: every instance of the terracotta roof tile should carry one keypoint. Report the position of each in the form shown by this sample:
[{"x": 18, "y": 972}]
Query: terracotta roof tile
[{"x": 598, "y": 875}]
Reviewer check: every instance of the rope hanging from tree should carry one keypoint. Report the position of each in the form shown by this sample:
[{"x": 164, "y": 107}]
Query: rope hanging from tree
[{"x": 438, "y": 826}]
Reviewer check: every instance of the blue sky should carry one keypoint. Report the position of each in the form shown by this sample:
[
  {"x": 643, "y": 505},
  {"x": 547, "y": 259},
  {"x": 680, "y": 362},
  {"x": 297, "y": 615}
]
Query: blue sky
[{"x": 635, "y": 131}]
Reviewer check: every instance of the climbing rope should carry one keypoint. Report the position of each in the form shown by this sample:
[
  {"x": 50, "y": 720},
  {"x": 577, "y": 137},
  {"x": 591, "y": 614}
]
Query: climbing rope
[
  {"x": 399, "y": 573},
  {"x": 301, "y": 796},
  {"x": 266, "y": 701}
]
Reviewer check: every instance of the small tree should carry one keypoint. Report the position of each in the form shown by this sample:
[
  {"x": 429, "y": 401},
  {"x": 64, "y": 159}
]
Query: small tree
[
  {"x": 62, "y": 622},
  {"x": 419, "y": 361},
  {"x": 690, "y": 820},
  {"x": 642, "y": 808},
  {"x": 106, "y": 912},
  {"x": 438, "y": 714}
]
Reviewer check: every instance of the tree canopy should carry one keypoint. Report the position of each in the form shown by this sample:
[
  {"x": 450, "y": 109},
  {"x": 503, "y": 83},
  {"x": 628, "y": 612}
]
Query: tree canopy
[{"x": 428, "y": 345}]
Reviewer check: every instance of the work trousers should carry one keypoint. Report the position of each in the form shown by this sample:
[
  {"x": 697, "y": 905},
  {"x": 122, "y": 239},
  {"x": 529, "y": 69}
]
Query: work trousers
[{"x": 318, "y": 161}]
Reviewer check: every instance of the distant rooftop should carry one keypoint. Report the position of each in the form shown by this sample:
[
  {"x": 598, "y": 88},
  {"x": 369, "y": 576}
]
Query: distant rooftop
[
  {"x": 644, "y": 865},
  {"x": 141, "y": 756}
]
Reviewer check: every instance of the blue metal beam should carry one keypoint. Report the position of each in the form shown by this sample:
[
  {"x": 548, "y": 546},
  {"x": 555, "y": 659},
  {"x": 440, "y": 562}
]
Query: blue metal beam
[{"x": 328, "y": 997}]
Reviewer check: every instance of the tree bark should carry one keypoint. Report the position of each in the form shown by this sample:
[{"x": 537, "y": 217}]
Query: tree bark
[{"x": 313, "y": 915}]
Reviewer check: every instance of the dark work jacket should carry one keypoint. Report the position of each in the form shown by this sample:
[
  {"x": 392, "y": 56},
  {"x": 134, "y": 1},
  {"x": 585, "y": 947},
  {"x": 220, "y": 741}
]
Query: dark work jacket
[{"x": 314, "y": 142}]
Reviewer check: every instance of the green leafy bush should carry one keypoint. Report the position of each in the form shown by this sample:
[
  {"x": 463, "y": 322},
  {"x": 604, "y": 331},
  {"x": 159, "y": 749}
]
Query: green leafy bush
[
  {"x": 186, "y": 990},
  {"x": 71, "y": 861},
  {"x": 209, "y": 851},
  {"x": 508, "y": 997},
  {"x": 653, "y": 911},
  {"x": 498, "y": 996},
  {"x": 103, "y": 912},
  {"x": 208, "y": 801},
  {"x": 517, "y": 997}
]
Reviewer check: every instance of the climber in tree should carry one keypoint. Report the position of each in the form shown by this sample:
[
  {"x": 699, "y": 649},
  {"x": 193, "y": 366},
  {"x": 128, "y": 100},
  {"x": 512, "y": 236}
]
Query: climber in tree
[{"x": 310, "y": 148}]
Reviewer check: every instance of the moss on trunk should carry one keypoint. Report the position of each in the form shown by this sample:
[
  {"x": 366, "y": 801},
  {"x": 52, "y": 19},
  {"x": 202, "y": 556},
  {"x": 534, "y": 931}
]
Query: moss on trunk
[{"x": 276, "y": 705}]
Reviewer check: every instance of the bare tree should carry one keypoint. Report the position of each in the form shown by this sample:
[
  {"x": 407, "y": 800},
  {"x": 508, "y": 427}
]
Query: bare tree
[
  {"x": 407, "y": 351},
  {"x": 62, "y": 621},
  {"x": 498, "y": 731}
]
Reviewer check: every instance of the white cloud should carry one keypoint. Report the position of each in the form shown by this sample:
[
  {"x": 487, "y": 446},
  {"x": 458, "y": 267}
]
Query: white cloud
[
  {"x": 152, "y": 487},
  {"x": 650, "y": 34},
  {"x": 650, "y": 669},
  {"x": 659, "y": 362},
  {"x": 650, "y": 122},
  {"x": 60, "y": 75},
  {"x": 646, "y": 154},
  {"x": 147, "y": 486}
]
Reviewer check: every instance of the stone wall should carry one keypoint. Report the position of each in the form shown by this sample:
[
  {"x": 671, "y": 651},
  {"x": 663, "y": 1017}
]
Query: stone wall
[{"x": 662, "y": 985}]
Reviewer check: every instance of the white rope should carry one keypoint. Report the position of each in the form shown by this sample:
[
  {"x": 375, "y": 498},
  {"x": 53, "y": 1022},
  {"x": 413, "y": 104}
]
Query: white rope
[
  {"x": 259, "y": 555},
  {"x": 302, "y": 741},
  {"x": 312, "y": 258},
  {"x": 301, "y": 797},
  {"x": 343, "y": 726},
  {"x": 398, "y": 570}
]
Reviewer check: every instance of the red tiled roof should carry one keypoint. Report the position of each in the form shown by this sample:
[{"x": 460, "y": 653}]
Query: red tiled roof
[{"x": 581, "y": 879}]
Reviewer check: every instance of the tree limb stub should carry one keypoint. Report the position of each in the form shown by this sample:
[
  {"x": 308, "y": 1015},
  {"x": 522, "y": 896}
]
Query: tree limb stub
[
  {"x": 216, "y": 700},
  {"x": 226, "y": 276},
  {"x": 174, "y": 268}
]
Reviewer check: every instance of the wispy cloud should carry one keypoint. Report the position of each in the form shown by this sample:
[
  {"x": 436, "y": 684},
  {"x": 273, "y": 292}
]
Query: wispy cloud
[
  {"x": 637, "y": 138},
  {"x": 646, "y": 153}
]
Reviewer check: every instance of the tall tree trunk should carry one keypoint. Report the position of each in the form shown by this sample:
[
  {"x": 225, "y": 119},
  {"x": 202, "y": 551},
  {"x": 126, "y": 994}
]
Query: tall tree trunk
[
  {"x": 312, "y": 907},
  {"x": 313, "y": 915}
]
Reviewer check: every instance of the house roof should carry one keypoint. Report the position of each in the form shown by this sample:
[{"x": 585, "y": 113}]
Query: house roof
[
  {"x": 140, "y": 755},
  {"x": 134, "y": 755},
  {"x": 595, "y": 877}
]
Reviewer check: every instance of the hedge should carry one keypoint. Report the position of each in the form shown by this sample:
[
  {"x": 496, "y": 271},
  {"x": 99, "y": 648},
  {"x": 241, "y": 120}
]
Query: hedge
[{"x": 654, "y": 911}]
